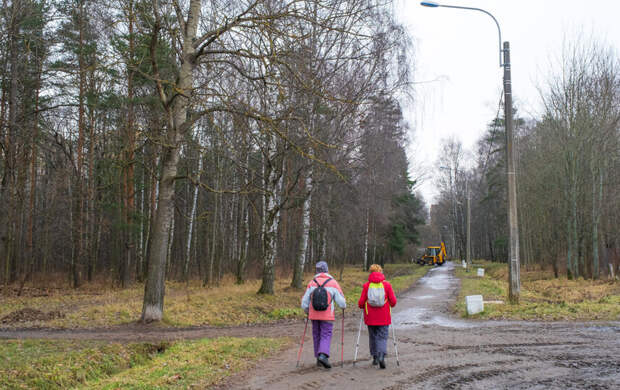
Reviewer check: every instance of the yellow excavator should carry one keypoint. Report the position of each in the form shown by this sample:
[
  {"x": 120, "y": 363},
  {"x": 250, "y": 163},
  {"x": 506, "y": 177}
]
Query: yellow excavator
[{"x": 434, "y": 255}]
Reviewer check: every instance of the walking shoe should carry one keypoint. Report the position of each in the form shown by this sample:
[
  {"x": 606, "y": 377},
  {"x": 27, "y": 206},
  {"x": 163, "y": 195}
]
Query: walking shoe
[
  {"x": 381, "y": 360},
  {"x": 375, "y": 361},
  {"x": 323, "y": 360}
]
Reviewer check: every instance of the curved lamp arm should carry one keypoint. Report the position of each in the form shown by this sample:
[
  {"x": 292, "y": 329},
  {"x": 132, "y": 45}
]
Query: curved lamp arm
[{"x": 432, "y": 4}]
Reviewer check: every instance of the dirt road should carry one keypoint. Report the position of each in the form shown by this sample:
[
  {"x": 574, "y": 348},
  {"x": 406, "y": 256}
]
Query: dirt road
[{"x": 436, "y": 350}]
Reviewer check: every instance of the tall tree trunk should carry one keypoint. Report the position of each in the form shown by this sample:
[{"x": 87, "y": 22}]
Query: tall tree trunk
[
  {"x": 245, "y": 242},
  {"x": 9, "y": 189},
  {"x": 270, "y": 225},
  {"x": 574, "y": 228},
  {"x": 192, "y": 217},
  {"x": 298, "y": 271},
  {"x": 154, "y": 197},
  {"x": 597, "y": 203},
  {"x": 128, "y": 163},
  {"x": 78, "y": 224},
  {"x": 91, "y": 217},
  {"x": 245, "y": 224},
  {"x": 33, "y": 172},
  {"x": 154, "y": 291},
  {"x": 210, "y": 278}
]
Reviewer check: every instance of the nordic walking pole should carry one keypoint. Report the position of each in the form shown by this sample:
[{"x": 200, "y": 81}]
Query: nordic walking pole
[
  {"x": 302, "y": 343},
  {"x": 342, "y": 342},
  {"x": 395, "y": 347},
  {"x": 357, "y": 344}
]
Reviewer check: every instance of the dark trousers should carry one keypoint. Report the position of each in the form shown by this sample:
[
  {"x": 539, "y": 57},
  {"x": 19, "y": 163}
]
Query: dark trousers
[{"x": 377, "y": 338}]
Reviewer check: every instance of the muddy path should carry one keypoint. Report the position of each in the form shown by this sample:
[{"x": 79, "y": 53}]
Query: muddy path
[{"x": 436, "y": 350}]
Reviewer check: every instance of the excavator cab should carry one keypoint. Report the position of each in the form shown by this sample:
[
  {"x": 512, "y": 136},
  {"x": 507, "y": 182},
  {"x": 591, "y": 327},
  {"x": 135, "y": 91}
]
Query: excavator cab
[{"x": 434, "y": 255}]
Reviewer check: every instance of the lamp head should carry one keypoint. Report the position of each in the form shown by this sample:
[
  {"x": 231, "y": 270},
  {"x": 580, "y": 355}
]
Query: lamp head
[{"x": 431, "y": 4}]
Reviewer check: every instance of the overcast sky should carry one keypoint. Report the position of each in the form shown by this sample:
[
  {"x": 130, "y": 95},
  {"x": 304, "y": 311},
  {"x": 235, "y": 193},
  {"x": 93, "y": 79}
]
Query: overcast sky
[{"x": 459, "y": 49}]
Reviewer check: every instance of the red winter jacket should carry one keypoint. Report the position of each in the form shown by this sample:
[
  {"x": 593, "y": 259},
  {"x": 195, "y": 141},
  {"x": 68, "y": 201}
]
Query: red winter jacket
[{"x": 377, "y": 315}]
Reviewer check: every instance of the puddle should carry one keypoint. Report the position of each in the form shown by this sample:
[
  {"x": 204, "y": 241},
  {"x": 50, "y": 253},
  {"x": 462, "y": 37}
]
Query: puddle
[
  {"x": 439, "y": 282},
  {"x": 416, "y": 317},
  {"x": 409, "y": 316},
  {"x": 440, "y": 279},
  {"x": 605, "y": 329},
  {"x": 436, "y": 286}
]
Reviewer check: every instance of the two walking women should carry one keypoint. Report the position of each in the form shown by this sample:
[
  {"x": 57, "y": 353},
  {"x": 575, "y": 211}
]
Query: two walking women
[{"x": 376, "y": 301}]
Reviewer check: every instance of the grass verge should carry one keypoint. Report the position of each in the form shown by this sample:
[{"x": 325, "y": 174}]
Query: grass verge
[
  {"x": 543, "y": 297},
  {"x": 61, "y": 364},
  {"x": 188, "y": 305}
]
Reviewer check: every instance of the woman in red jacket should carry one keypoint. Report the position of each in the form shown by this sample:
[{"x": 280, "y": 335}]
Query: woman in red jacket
[{"x": 377, "y": 301}]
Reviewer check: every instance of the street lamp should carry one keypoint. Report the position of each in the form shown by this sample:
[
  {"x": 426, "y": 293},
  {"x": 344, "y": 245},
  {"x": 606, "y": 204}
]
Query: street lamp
[{"x": 513, "y": 227}]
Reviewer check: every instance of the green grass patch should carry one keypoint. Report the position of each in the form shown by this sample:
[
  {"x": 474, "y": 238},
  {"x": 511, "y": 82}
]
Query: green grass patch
[
  {"x": 229, "y": 304},
  {"x": 542, "y": 296},
  {"x": 62, "y": 364}
]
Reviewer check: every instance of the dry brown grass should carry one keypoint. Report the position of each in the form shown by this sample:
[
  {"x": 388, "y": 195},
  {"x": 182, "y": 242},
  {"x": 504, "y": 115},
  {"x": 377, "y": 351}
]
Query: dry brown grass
[
  {"x": 542, "y": 296},
  {"x": 97, "y": 305}
]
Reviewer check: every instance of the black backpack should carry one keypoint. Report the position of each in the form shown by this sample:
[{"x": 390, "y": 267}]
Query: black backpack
[{"x": 320, "y": 296}]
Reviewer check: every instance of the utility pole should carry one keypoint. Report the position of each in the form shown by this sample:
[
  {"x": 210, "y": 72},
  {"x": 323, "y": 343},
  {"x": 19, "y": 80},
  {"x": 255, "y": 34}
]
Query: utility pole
[
  {"x": 513, "y": 225},
  {"x": 468, "y": 225},
  {"x": 454, "y": 218}
]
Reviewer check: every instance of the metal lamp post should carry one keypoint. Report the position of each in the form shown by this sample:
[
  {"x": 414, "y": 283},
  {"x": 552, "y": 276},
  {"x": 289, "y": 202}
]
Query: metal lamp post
[{"x": 514, "y": 271}]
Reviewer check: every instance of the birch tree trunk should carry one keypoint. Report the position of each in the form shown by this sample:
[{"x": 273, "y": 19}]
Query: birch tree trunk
[
  {"x": 192, "y": 217},
  {"x": 209, "y": 278},
  {"x": 298, "y": 271},
  {"x": 270, "y": 224},
  {"x": 245, "y": 226}
]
